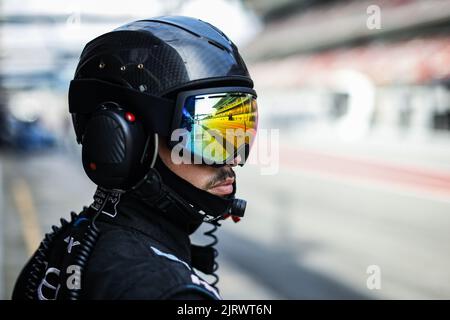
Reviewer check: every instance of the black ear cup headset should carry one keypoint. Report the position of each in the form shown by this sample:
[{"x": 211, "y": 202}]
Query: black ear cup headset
[{"x": 116, "y": 149}]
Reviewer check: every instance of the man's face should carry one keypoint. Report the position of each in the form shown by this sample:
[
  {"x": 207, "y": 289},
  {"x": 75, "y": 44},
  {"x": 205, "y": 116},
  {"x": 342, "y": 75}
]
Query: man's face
[{"x": 215, "y": 180}]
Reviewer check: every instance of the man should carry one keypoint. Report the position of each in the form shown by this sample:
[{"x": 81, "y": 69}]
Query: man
[{"x": 164, "y": 109}]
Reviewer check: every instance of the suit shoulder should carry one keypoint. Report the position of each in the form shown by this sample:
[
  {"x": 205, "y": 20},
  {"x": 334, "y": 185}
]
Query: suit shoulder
[{"x": 125, "y": 265}]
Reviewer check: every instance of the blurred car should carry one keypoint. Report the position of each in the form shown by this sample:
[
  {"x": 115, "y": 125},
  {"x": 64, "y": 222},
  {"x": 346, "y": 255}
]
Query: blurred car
[{"x": 30, "y": 135}]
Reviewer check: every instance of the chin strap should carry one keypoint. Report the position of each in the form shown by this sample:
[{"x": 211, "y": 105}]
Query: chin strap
[{"x": 209, "y": 208}]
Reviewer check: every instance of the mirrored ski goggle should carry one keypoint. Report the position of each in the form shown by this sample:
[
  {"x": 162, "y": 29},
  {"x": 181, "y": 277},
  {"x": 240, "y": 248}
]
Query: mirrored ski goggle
[{"x": 215, "y": 125}]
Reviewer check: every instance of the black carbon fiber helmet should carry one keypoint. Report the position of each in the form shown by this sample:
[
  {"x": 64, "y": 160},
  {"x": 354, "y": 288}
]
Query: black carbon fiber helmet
[{"x": 161, "y": 55}]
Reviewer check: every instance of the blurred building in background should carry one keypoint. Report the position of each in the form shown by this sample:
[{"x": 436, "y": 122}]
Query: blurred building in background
[
  {"x": 335, "y": 71},
  {"x": 359, "y": 92}
]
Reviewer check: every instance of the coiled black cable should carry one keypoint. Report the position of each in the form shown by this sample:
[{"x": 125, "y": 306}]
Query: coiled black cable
[
  {"x": 38, "y": 262},
  {"x": 84, "y": 251},
  {"x": 212, "y": 244},
  {"x": 86, "y": 247},
  {"x": 38, "y": 266}
]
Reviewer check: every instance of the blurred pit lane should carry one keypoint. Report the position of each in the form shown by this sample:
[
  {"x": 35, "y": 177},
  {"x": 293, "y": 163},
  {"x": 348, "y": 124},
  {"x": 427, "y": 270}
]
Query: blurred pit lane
[{"x": 362, "y": 172}]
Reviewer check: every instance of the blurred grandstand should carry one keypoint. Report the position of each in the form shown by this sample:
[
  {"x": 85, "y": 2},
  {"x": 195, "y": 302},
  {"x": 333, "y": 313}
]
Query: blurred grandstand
[{"x": 321, "y": 57}]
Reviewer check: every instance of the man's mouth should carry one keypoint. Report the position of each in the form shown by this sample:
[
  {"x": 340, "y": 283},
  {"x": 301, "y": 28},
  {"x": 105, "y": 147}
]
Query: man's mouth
[{"x": 223, "y": 188}]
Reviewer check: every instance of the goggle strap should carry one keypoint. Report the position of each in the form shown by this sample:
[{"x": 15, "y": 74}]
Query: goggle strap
[{"x": 86, "y": 94}]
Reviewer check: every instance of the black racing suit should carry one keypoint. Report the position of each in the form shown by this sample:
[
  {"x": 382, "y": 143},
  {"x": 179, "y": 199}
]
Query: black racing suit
[
  {"x": 139, "y": 254},
  {"x": 147, "y": 255}
]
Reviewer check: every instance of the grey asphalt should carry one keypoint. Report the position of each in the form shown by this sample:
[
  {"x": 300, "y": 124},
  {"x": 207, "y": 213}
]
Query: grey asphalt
[
  {"x": 305, "y": 235},
  {"x": 308, "y": 235}
]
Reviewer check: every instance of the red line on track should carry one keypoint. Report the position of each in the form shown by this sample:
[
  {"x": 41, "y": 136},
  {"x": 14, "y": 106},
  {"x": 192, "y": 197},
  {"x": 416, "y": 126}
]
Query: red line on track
[{"x": 417, "y": 177}]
